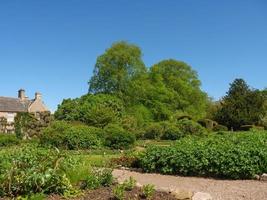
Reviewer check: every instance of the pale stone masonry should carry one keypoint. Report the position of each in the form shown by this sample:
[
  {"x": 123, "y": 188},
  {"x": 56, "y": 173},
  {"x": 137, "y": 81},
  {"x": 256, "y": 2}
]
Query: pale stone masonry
[{"x": 10, "y": 106}]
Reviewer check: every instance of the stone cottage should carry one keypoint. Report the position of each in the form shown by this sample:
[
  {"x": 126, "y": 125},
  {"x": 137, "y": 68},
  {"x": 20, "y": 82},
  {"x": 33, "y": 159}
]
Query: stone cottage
[{"x": 9, "y": 107}]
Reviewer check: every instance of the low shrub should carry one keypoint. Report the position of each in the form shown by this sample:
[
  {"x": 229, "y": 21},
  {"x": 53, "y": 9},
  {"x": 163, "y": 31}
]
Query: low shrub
[
  {"x": 171, "y": 131},
  {"x": 7, "y": 140},
  {"x": 82, "y": 137},
  {"x": 153, "y": 131},
  {"x": 119, "y": 192},
  {"x": 30, "y": 170},
  {"x": 118, "y": 138},
  {"x": 148, "y": 191},
  {"x": 190, "y": 127},
  {"x": 234, "y": 156},
  {"x": 167, "y": 130},
  {"x": 98, "y": 177},
  {"x": 63, "y": 135},
  {"x": 129, "y": 184}
]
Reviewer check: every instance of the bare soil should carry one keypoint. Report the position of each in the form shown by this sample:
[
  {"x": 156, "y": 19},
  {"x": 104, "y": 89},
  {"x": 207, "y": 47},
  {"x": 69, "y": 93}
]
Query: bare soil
[
  {"x": 218, "y": 189},
  {"x": 105, "y": 193}
]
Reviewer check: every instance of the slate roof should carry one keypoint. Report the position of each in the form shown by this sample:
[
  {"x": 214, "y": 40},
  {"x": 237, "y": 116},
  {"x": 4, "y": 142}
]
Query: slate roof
[{"x": 8, "y": 104}]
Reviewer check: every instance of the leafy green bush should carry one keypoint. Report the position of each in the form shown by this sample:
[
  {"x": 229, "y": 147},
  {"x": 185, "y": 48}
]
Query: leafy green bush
[
  {"x": 129, "y": 184},
  {"x": 29, "y": 170},
  {"x": 119, "y": 192},
  {"x": 95, "y": 110},
  {"x": 235, "y": 156},
  {"x": 63, "y": 135},
  {"x": 7, "y": 140},
  {"x": 97, "y": 178},
  {"x": 148, "y": 191},
  {"x": 82, "y": 137},
  {"x": 190, "y": 127},
  {"x": 54, "y": 134},
  {"x": 171, "y": 131},
  {"x": 117, "y": 138},
  {"x": 153, "y": 130},
  {"x": 168, "y": 130}
]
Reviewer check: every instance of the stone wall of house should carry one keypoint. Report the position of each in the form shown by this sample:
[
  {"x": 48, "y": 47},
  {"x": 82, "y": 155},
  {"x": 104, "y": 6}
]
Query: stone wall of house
[{"x": 8, "y": 126}]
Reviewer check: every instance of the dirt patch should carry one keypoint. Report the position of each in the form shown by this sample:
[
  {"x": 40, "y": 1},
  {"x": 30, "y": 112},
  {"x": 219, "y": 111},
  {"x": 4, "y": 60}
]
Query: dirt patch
[{"x": 105, "y": 193}]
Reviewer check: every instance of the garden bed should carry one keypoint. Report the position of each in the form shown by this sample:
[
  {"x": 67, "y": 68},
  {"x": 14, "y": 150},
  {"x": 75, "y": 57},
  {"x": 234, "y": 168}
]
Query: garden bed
[{"x": 105, "y": 193}]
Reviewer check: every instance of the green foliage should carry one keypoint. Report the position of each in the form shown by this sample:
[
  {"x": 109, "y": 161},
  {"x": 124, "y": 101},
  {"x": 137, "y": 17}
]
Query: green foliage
[
  {"x": 190, "y": 127},
  {"x": 63, "y": 135},
  {"x": 118, "y": 138},
  {"x": 241, "y": 106},
  {"x": 129, "y": 184},
  {"x": 98, "y": 177},
  {"x": 23, "y": 122},
  {"x": 29, "y": 125},
  {"x": 182, "y": 84},
  {"x": 148, "y": 191},
  {"x": 82, "y": 137},
  {"x": 119, "y": 192},
  {"x": 29, "y": 170},
  {"x": 171, "y": 131},
  {"x": 7, "y": 140},
  {"x": 153, "y": 130},
  {"x": 94, "y": 110},
  {"x": 226, "y": 155},
  {"x": 167, "y": 130},
  {"x": 116, "y": 67}
]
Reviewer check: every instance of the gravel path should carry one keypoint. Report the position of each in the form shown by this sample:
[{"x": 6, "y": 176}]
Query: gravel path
[{"x": 219, "y": 189}]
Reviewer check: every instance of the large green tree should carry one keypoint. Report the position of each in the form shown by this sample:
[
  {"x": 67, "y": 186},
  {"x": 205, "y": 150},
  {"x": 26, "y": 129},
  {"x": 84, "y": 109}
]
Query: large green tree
[
  {"x": 241, "y": 106},
  {"x": 116, "y": 68},
  {"x": 183, "y": 86}
]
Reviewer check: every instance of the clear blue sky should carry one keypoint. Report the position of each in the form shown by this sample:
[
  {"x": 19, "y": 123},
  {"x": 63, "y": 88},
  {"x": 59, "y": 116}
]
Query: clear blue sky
[{"x": 51, "y": 45}]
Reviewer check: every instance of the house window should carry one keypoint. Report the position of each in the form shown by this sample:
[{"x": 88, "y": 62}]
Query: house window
[{"x": 10, "y": 117}]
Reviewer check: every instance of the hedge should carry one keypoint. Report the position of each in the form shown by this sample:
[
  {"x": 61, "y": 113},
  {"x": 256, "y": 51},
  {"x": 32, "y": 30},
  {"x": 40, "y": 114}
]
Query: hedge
[{"x": 234, "y": 156}]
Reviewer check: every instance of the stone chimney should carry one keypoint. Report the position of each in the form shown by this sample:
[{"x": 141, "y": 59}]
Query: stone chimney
[
  {"x": 38, "y": 96},
  {"x": 21, "y": 94}
]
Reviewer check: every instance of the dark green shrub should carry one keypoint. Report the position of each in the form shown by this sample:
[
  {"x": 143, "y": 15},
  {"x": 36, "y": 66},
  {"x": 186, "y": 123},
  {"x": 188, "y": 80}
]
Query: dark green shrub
[
  {"x": 153, "y": 131},
  {"x": 246, "y": 127},
  {"x": 171, "y": 131},
  {"x": 82, "y": 137},
  {"x": 189, "y": 127},
  {"x": 63, "y": 135},
  {"x": 117, "y": 138},
  {"x": 7, "y": 140},
  {"x": 54, "y": 134},
  {"x": 235, "y": 156}
]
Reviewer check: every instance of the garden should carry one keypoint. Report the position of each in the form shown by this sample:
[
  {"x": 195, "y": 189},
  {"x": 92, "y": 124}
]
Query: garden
[{"x": 154, "y": 120}]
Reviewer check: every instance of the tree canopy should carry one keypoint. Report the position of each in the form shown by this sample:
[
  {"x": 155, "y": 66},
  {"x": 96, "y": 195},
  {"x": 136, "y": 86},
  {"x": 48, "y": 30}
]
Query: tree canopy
[
  {"x": 241, "y": 106},
  {"x": 116, "y": 67}
]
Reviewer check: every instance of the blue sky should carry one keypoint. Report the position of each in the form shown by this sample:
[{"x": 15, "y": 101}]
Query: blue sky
[{"x": 51, "y": 45}]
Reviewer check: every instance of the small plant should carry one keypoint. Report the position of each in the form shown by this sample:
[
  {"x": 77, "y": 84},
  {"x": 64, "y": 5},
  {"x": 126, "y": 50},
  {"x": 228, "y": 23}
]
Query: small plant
[
  {"x": 148, "y": 191},
  {"x": 97, "y": 178},
  {"x": 129, "y": 184},
  {"x": 119, "y": 192}
]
